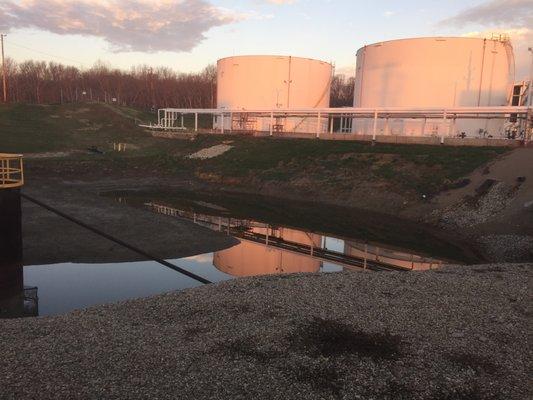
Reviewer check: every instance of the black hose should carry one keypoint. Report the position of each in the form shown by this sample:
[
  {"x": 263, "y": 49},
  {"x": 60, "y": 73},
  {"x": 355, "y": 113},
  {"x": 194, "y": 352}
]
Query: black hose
[{"x": 118, "y": 241}]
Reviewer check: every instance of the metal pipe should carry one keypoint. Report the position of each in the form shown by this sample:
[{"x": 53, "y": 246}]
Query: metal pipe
[
  {"x": 444, "y": 123},
  {"x": 481, "y": 73},
  {"x": 375, "y": 127}
]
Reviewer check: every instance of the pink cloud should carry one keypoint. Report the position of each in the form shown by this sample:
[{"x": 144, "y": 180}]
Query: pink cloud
[{"x": 133, "y": 25}]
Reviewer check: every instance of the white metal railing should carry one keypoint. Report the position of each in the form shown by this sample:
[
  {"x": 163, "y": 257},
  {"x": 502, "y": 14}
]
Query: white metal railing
[{"x": 448, "y": 116}]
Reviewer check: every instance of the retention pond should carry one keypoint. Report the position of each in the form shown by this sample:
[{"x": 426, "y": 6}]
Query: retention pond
[{"x": 275, "y": 237}]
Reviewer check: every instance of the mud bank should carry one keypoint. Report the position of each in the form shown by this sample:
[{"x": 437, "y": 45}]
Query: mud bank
[{"x": 48, "y": 238}]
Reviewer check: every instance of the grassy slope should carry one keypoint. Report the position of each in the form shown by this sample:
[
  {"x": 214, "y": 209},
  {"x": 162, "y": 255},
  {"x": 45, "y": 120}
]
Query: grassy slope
[{"x": 310, "y": 164}]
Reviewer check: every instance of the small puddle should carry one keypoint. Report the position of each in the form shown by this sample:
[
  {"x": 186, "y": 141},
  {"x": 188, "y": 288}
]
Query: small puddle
[{"x": 274, "y": 239}]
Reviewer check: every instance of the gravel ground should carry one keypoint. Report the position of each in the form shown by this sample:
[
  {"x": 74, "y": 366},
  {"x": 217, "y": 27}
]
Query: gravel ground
[
  {"x": 507, "y": 248},
  {"x": 485, "y": 208},
  {"x": 454, "y": 333}
]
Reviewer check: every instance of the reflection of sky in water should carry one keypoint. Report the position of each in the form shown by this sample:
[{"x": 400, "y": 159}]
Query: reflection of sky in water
[
  {"x": 67, "y": 286},
  {"x": 334, "y": 244}
]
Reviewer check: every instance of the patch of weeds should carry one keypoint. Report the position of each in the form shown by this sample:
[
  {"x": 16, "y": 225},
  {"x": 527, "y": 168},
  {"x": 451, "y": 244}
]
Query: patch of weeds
[
  {"x": 386, "y": 171},
  {"x": 276, "y": 175},
  {"x": 326, "y": 337}
]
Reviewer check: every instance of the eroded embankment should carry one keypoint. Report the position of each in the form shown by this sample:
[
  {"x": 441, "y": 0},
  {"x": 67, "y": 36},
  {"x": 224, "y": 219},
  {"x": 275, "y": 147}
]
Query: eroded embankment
[
  {"x": 494, "y": 209},
  {"x": 454, "y": 333}
]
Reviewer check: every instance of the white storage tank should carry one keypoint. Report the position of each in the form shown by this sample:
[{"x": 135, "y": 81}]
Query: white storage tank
[
  {"x": 272, "y": 82},
  {"x": 434, "y": 72}
]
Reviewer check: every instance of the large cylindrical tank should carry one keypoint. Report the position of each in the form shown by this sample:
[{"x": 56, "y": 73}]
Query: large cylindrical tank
[
  {"x": 434, "y": 72},
  {"x": 270, "y": 82}
]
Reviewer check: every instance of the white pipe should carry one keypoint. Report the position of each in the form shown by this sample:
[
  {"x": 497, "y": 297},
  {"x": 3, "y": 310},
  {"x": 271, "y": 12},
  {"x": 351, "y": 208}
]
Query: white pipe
[
  {"x": 362, "y": 111},
  {"x": 444, "y": 125}
]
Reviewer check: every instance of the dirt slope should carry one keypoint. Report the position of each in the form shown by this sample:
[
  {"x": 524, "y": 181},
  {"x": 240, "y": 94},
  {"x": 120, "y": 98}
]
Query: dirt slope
[{"x": 495, "y": 208}]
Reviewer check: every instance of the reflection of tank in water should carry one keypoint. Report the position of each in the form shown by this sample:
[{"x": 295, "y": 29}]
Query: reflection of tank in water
[
  {"x": 248, "y": 258},
  {"x": 389, "y": 256}
]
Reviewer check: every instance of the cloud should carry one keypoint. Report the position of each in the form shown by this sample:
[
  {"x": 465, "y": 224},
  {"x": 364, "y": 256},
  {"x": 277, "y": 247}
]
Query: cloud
[
  {"x": 388, "y": 14},
  {"x": 521, "y": 39},
  {"x": 502, "y": 13},
  {"x": 281, "y": 1},
  {"x": 133, "y": 25},
  {"x": 511, "y": 17}
]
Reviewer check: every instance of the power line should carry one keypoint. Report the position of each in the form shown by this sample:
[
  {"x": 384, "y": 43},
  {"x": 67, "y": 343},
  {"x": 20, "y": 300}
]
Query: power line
[
  {"x": 45, "y": 53},
  {"x": 4, "y": 84}
]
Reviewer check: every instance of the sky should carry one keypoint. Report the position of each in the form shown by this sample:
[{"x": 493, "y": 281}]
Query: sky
[{"x": 187, "y": 35}]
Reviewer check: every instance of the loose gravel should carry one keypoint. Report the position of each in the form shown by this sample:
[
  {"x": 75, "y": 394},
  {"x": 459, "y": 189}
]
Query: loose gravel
[
  {"x": 466, "y": 214},
  {"x": 210, "y": 152},
  {"x": 453, "y": 333},
  {"x": 507, "y": 248}
]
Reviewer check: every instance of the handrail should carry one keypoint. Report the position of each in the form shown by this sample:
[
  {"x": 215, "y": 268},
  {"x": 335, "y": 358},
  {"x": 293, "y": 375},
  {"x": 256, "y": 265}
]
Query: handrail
[{"x": 11, "y": 171}]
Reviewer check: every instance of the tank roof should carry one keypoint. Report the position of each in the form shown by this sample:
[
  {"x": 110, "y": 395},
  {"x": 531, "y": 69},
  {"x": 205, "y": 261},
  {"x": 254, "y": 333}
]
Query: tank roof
[
  {"x": 272, "y": 56},
  {"x": 435, "y": 38}
]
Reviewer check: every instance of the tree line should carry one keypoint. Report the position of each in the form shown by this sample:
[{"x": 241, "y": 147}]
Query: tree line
[{"x": 144, "y": 87}]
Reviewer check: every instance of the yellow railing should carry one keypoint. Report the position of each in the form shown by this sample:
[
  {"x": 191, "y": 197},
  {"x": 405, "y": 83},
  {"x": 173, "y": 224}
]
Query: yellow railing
[{"x": 11, "y": 171}]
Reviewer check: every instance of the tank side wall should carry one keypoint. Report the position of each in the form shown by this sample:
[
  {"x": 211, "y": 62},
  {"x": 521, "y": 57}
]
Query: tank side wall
[
  {"x": 434, "y": 72},
  {"x": 274, "y": 82}
]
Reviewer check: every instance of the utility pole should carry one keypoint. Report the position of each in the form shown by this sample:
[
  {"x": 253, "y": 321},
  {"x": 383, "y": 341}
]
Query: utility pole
[
  {"x": 529, "y": 123},
  {"x": 4, "y": 78}
]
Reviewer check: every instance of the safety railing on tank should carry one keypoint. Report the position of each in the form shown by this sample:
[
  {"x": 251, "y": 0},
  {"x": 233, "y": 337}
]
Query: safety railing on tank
[{"x": 11, "y": 171}]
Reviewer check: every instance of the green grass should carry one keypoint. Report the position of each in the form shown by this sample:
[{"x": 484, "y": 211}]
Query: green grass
[
  {"x": 338, "y": 165},
  {"x": 424, "y": 169}
]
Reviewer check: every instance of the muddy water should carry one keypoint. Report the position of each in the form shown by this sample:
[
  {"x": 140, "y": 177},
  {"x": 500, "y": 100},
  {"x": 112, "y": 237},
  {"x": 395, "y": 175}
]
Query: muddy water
[{"x": 275, "y": 238}]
